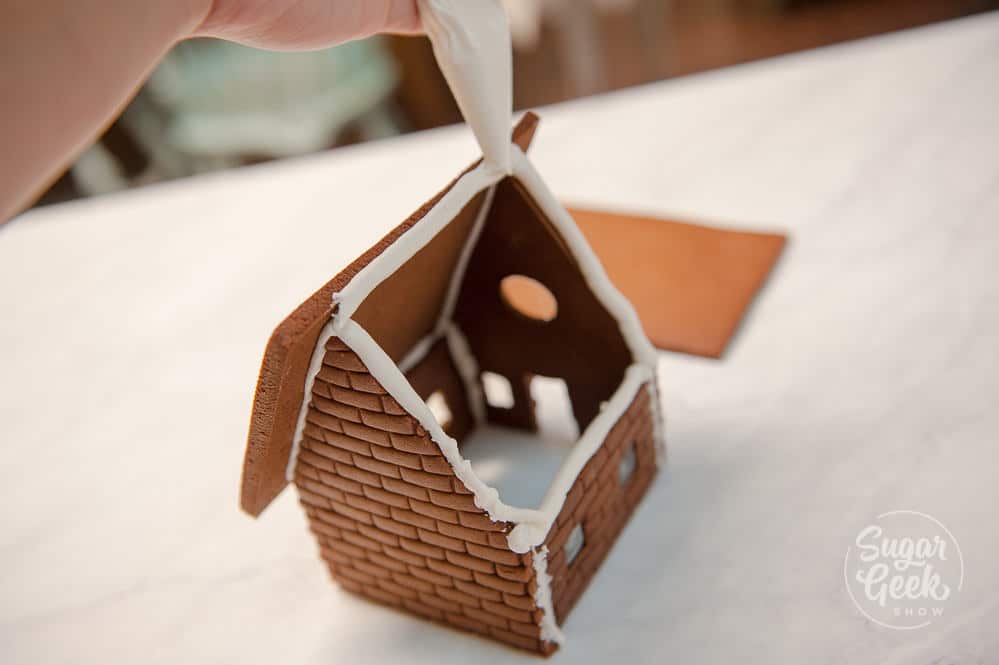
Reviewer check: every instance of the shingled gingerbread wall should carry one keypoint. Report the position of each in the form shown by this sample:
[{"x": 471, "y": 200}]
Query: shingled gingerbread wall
[
  {"x": 393, "y": 522},
  {"x": 601, "y": 503}
]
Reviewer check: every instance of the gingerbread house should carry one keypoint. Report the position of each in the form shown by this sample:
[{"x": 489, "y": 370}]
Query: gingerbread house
[{"x": 372, "y": 390}]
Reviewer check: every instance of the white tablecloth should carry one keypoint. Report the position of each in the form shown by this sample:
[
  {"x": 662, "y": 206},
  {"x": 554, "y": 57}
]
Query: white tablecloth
[{"x": 864, "y": 380}]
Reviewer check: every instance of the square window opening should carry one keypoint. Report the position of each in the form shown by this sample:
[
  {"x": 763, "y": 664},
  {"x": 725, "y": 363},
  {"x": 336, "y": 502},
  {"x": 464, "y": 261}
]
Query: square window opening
[
  {"x": 574, "y": 544},
  {"x": 626, "y": 467}
]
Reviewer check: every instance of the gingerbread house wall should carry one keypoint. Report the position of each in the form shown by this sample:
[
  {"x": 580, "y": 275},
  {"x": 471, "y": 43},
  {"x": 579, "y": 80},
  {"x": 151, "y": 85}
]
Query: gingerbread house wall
[
  {"x": 583, "y": 344},
  {"x": 393, "y": 522},
  {"x": 601, "y": 503}
]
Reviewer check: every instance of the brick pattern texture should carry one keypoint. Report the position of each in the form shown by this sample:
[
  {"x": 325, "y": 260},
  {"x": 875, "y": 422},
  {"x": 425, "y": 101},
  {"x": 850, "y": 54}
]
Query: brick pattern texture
[
  {"x": 602, "y": 503},
  {"x": 395, "y": 525},
  {"x": 393, "y": 522}
]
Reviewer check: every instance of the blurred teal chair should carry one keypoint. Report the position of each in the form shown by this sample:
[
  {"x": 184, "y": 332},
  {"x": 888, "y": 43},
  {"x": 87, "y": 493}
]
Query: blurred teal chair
[{"x": 213, "y": 104}]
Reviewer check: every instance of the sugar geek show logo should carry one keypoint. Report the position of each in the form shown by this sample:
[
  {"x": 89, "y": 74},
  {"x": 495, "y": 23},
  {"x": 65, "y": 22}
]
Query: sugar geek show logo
[{"x": 903, "y": 569}]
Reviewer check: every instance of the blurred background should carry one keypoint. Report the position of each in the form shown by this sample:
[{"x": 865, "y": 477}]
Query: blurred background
[{"x": 212, "y": 105}]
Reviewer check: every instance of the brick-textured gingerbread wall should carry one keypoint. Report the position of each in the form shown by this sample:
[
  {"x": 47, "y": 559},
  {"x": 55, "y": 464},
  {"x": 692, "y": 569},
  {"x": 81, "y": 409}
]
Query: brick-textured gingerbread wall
[
  {"x": 601, "y": 504},
  {"x": 393, "y": 522}
]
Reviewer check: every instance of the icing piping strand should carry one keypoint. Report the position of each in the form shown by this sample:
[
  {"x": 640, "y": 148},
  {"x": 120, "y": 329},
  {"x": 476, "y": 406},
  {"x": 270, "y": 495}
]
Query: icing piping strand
[
  {"x": 418, "y": 352},
  {"x": 315, "y": 364},
  {"x": 461, "y": 356},
  {"x": 468, "y": 369},
  {"x": 658, "y": 421},
  {"x": 550, "y": 632},
  {"x": 460, "y": 268}
]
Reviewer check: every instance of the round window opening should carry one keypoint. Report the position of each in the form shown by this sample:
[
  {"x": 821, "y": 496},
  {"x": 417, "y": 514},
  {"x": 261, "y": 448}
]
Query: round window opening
[{"x": 529, "y": 297}]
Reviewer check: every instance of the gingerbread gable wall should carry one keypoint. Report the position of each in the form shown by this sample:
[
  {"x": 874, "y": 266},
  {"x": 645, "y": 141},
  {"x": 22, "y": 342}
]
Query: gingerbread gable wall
[{"x": 583, "y": 344}]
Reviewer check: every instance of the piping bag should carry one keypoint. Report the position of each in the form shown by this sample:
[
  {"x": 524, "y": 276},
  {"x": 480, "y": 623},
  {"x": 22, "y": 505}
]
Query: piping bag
[
  {"x": 690, "y": 284},
  {"x": 471, "y": 41}
]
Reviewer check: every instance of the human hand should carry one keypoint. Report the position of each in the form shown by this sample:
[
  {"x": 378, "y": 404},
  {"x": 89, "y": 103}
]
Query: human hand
[
  {"x": 97, "y": 53},
  {"x": 295, "y": 25}
]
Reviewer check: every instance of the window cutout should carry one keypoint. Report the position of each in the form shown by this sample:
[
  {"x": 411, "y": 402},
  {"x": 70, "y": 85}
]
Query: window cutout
[
  {"x": 626, "y": 467},
  {"x": 438, "y": 406},
  {"x": 574, "y": 544},
  {"x": 529, "y": 297},
  {"x": 499, "y": 393},
  {"x": 553, "y": 409}
]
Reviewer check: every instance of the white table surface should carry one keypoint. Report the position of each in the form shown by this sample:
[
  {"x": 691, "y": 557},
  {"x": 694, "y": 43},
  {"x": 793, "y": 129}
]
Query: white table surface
[{"x": 865, "y": 380}]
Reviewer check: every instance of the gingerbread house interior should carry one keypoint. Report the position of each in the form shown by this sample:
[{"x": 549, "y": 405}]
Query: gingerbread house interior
[{"x": 495, "y": 326}]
